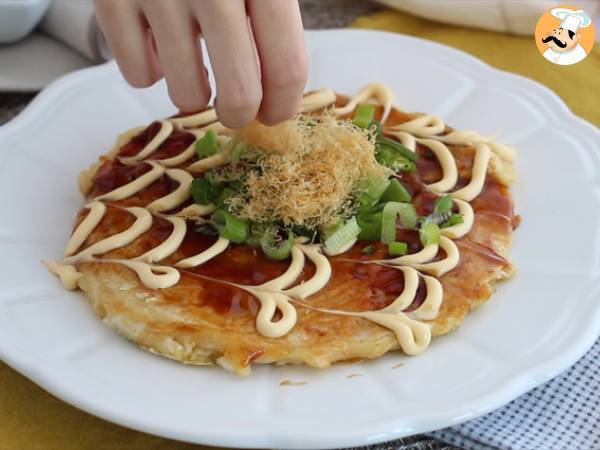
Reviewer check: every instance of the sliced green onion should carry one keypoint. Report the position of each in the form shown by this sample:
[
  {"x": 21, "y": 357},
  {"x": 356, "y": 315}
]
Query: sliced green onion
[
  {"x": 403, "y": 150},
  {"x": 211, "y": 176},
  {"x": 443, "y": 204},
  {"x": 378, "y": 127},
  {"x": 223, "y": 196},
  {"x": 207, "y": 145},
  {"x": 387, "y": 156},
  {"x": 256, "y": 231},
  {"x": 404, "y": 165},
  {"x": 429, "y": 234},
  {"x": 328, "y": 231},
  {"x": 274, "y": 247},
  {"x": 375, "y": 189},
  {"x": 206, "y": 228},
  {"x": 368, "y": 250},
  {"x": 237, "y": 151},
  {"x": 343, "y": 236},
  {"x": 454, "y": 219},
  {"x": 395, "y": 192},
  {"x": 397, "y": 248},
  {"x": 442, "y": 211},
  {"x": 203, "y": 192},
  {"x": 392, "y": 210},
  {"x": 363, "y": 116},
  {"x": 370, "y": 225},
  {"x": 229, "y": 226}
]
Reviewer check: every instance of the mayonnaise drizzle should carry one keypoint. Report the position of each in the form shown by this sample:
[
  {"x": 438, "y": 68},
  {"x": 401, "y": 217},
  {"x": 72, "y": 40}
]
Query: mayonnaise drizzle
[
  {"x": 136, "y": 185},
  {"x": 178, "y": 196},
  {"x": 478, "y": 172},
  {"x": 281, "y": 293},
  {"x": 413, "y": 336},
  {"x": 166, "y": 128},
  {"x": 274, "y": 296},
  {"x": 378, "y": 91}
]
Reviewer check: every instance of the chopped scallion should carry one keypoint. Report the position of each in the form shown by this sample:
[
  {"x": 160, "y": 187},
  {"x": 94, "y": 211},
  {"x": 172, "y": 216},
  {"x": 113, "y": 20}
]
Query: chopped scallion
[
  {"x": 206, "y": 228},
  {"x": 237, "y": 151},
  {"x": 392, "y": 210},
  {"x": 203, "y": 192},
  {"x": 229, "y": 226},
  {"x": 397, "y": 248},
  {"x": 363, "y": 116},
  {"x": 442, "y": 211},
  {"x": 343, "y": 236},
  {"x": 256, "y": 231},
  {"x": 328, "y": 231},
  {"x": 211, "y": 176},
  {"x": 399, "y": 148},
  {"x": 404, "y": 165},
  {"x": 223, "y": 196},
  {"x": 376, "y": 124},
  {"x": 389, "y": 157},
  {"x": 429, "y": 234},
  {"x": 395, "y": 192},
  {"x": 370, "y": 225},
  {"x": 375, "y": 189},
  {"x": 207, "y": 145},
  {"x": 274, "y": 247},
  {"x": 443, "y": 204},
  {"x": 454, "y": 219}
]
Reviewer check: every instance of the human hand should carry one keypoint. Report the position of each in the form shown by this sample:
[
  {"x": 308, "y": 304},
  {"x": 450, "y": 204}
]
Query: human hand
[{"x": 256, "y": 48}]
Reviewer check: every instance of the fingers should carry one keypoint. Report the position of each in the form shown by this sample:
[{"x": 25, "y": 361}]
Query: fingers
[
  {"x": 233, "y": 58},
  {"x": 277, "y": 27},
  {"x": 177, "y": 37},
  {"x": 276, "y": 30},
  {"x": 127, "y": 36}
]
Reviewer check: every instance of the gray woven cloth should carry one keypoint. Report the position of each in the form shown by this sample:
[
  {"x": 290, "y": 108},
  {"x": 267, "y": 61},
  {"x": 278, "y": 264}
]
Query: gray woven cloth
[{"x": 561, "y": 414}]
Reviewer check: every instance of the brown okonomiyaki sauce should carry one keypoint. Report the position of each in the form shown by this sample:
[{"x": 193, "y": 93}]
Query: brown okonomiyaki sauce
[
  {"x": 113, "y": 174},
  {"x": 140, "y": 140},
  {"x": 428, "y": 166},
  {"x": 212, "y": 284},
  {"x": 176, "y": 143},
  {"x": 384, "y": 284}
]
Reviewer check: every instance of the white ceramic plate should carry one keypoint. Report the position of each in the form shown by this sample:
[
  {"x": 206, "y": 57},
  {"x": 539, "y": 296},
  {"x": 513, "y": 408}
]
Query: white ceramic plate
[{"x": 535, "y": 326}]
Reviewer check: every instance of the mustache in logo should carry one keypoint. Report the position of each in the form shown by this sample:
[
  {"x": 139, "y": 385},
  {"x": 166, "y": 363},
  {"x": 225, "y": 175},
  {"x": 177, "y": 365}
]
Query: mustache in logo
[{"x": 556, "y": 41}]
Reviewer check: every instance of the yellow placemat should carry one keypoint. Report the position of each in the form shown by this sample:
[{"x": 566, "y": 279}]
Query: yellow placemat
[
  {"x": 32, "y": 419},
  {"x": 578, "y": 85}
]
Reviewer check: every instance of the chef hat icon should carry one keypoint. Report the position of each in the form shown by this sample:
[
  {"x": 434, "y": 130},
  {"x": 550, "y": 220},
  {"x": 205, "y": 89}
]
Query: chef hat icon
[{"x": 572, "y": 20}]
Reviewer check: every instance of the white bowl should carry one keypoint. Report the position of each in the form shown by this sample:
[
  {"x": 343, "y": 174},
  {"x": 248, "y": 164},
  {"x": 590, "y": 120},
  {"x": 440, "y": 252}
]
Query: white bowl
[{"x": 19, "y": 17}]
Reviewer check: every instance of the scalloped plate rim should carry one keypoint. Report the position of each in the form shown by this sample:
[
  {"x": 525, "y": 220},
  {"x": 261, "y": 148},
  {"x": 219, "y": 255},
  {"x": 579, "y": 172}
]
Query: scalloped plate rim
[{"x": 506, "y": 392}]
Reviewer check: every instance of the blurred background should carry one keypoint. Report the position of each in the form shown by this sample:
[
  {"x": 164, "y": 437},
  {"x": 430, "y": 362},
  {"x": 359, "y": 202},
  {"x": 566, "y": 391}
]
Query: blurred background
[{"x": 41, "y": 40}]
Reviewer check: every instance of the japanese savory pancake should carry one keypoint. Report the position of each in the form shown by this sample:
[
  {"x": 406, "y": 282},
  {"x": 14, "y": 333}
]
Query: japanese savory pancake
[{"x": 273, "y": 245}]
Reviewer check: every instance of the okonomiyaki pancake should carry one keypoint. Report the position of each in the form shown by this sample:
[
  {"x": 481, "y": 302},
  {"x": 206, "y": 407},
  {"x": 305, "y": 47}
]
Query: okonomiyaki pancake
[{"x": 349, "y": 231}]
